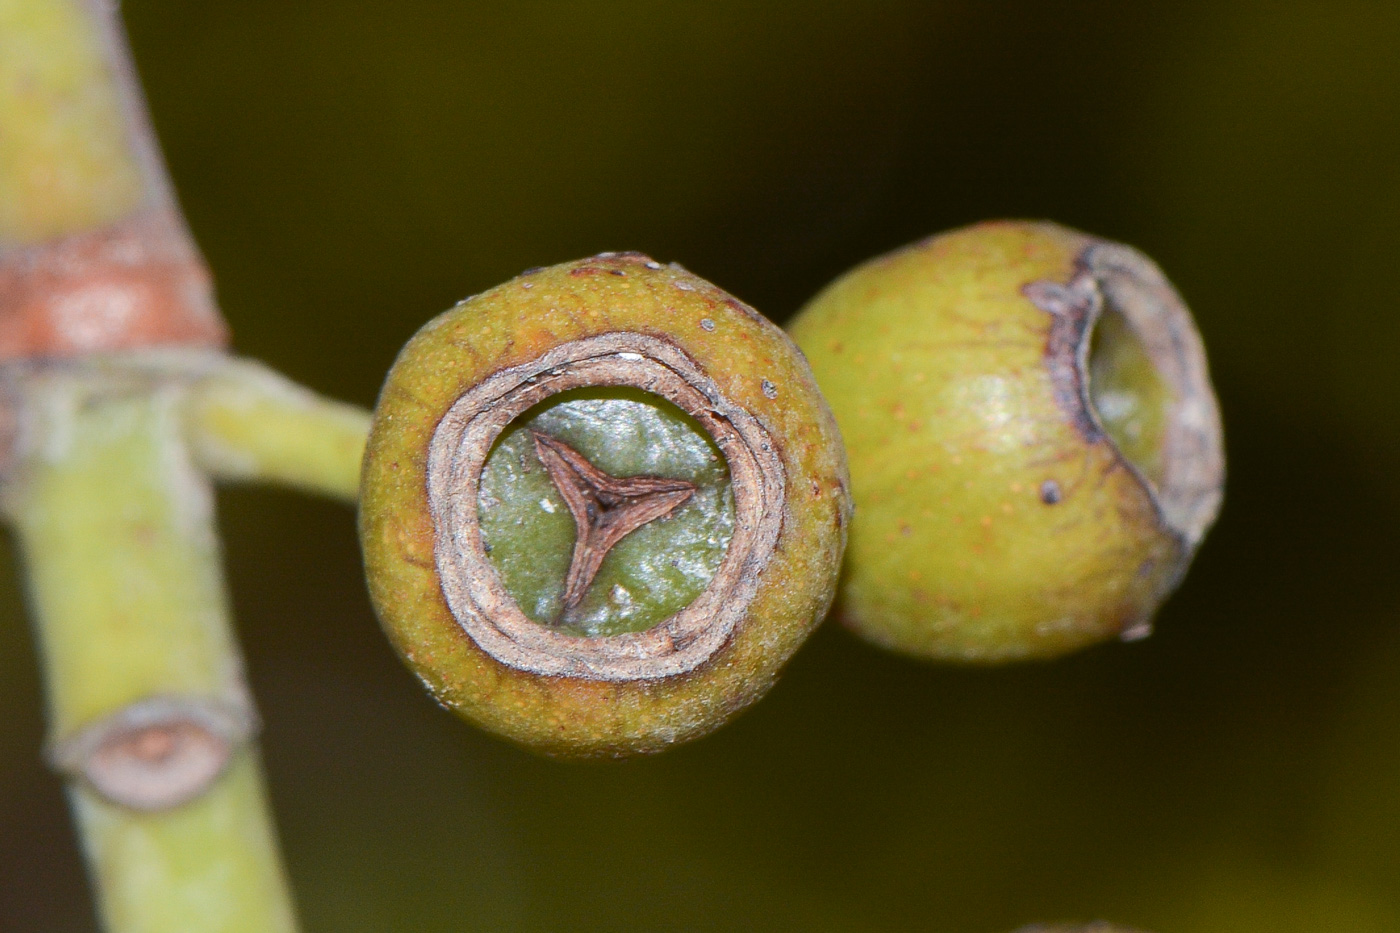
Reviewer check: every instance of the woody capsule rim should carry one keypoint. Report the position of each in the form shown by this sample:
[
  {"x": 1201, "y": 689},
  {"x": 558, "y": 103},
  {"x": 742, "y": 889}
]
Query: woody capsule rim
[{"x": 470, "y": 584}]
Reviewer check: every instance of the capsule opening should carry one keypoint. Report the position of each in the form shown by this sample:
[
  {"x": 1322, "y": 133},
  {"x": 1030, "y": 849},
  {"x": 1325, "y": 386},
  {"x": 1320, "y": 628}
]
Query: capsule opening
[
  {"x": 619, "y": 449},
  {"x": 1132, "y": 399},
  {"x": 1150, "y": 390}
]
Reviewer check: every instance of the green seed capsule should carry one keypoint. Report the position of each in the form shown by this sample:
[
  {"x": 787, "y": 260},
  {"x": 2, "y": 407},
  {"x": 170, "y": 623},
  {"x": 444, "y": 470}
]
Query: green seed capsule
[
  {"x": 602, "y": 505},
  {"x": 1035, "y": 447}
]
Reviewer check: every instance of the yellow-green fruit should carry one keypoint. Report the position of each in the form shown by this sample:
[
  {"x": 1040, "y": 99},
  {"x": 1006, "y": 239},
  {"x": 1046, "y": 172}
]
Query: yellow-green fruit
[
  {"x": 602, "y": 505},
  {"x": 1034, "y": 444}
]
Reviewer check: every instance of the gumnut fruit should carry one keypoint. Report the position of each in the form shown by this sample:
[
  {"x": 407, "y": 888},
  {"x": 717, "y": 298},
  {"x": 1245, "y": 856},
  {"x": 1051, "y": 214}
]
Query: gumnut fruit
[
  {"x": 602, "y": 504},
  {"x": 1035, "y": 447}
]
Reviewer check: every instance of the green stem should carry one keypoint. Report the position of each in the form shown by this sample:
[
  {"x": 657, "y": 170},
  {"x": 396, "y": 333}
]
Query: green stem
[
  {"x": 108, "y": 486},
  {"x": 246, "y": 422},
  {"x": 76, "y": 150},
  {"x": 115, "y": 523},
  {"x": 209, "y": 865}
]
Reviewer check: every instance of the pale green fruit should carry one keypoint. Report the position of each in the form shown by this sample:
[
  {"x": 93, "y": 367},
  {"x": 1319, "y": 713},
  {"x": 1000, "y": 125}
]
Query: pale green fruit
[{"x": 1034, "y": 444}]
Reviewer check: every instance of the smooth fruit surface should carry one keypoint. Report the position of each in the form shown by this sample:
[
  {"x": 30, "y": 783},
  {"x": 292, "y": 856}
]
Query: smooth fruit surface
[
  {"x": 719, "y": 495},
  {"x": 1035, "y": 450}
]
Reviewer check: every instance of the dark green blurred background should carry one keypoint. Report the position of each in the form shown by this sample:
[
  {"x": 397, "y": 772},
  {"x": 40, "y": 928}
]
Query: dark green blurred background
[{"x": 352, "y": 168}]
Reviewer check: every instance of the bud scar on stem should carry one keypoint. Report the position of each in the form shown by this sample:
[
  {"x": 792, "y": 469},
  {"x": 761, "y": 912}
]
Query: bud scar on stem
[{"x": 157, "y": 753}]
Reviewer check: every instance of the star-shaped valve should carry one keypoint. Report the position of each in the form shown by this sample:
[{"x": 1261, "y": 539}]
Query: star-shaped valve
[{"x": 605, "y": 508}]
